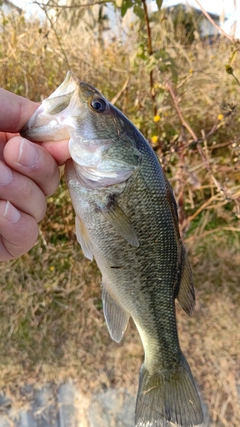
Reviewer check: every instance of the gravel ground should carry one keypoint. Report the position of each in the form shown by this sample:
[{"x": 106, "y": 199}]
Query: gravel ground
[{"x": 66, "y": 406}]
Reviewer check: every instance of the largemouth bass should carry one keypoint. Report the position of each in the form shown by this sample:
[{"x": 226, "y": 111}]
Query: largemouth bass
[{"x": 126, "y": 218}]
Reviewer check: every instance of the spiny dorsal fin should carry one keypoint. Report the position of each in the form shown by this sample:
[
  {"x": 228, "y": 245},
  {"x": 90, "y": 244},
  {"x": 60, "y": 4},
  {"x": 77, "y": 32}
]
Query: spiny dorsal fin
[
  {"x": 116, "y": 317},
  {"x": 117, "y": 218},
  {"x": 186, "y": 294},
  {"x": 83, "y": 238}
]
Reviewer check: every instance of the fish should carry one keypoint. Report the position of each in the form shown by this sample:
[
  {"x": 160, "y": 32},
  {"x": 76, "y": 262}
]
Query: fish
[{"x": 127, "y": 219}]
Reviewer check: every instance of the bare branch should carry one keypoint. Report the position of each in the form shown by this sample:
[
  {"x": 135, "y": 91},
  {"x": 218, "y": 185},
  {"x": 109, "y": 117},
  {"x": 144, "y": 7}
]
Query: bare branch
[
  {"x": 70, "y": 7},
  {"x": 214, "y": 23},
  {"x": 175, "y": 101},
  {"x": 209, "y": 232},
  {"x": 150, "y": 52},
  {"x": 116, "y": 97},
  {"x": 56, "y": 34},
  {"x": 220, "y": 188}
]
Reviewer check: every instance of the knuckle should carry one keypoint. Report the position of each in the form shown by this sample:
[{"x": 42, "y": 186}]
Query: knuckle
[
  {"x": 32, "y": 235},
  {"x": 46, "y": 174},
  {"x": 51, "y": 179},
  {"x": 19, "y": 239},
  {"x": 42, "y": 211}
]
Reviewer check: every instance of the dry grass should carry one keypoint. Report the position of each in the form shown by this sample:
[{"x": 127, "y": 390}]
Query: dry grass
[
  {"x": 55, "y": 329},
  {"x": 211, "y": 336},
  {"x": 34, "y": 63},
  {"x": 52, "y": 326}
]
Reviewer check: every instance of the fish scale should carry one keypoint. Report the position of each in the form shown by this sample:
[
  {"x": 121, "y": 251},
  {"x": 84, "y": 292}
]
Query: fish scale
[{"x": 126, "y": 218}]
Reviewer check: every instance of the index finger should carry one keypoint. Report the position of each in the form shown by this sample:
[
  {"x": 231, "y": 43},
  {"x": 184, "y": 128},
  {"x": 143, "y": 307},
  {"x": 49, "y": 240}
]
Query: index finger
[{"x": 14, "y": 111}]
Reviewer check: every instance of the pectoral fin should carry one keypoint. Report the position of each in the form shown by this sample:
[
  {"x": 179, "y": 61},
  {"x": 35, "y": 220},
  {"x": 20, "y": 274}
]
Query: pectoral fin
[
  {"x": 116, "y": 317},
  {"x": 186, "y": 294},
  {"x": 117, "y": 218},
  {"x": 83, "y": 238}
]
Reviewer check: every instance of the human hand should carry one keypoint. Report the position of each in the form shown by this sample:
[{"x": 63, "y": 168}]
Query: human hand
[{"x": 28, "y": 174}]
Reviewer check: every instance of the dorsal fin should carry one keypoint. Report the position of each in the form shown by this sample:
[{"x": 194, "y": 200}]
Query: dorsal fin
[
  {"x": 184, "y": 290},
  {"x": 186, "y": 293}
]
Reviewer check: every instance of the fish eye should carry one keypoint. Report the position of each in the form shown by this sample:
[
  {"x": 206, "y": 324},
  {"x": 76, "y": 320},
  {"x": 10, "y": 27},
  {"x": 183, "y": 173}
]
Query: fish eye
[{"x": 99, "y": 105}]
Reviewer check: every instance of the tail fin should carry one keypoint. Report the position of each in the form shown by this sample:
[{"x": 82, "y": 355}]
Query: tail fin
[{"x": 168, "y": 398}]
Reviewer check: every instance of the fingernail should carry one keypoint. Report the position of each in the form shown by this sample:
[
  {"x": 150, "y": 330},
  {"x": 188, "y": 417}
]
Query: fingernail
[
  {"x": 5, "y": 174},
  {"x": 11, "y": 213},
  {"x": 28, "y": 155}
]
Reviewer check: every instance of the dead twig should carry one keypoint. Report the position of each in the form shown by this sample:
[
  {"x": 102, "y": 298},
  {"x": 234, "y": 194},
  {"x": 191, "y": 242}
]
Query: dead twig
[
  {"x": 220, "y": 188},
  {"x": 44, "y": 8},
  {"x": 117, "y": 96},
  {"x": 214, "y": 23},
  {"x": 202, "y": 207},
  {"x": 175, "y": 101},
  {"x": 150, "y": 52},
  {"x": 213, "y": 231},
  {"x": 61, "y": 6}
]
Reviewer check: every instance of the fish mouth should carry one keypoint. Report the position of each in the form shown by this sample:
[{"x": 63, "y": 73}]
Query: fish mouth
[
  {"x": 40, "y": 127},
  {"x": 52, "y": 120}
]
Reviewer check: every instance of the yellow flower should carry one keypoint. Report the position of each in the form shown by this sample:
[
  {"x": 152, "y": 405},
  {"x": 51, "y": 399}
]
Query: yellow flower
[
  {"x": 190, "y": 71},
  {"x": 154, "y": 139},
  {"x": 52, "y": 268},
  {"x": 156, "y": 118},
  {"x": 220, "y": 116}
]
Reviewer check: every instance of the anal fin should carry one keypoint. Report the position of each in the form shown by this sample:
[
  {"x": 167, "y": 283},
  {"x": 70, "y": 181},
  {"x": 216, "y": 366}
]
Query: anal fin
[
  {"x": 83, "y": 238},
  {"x": 116, "y": 317},
  {"x": 186, "y": 293}
]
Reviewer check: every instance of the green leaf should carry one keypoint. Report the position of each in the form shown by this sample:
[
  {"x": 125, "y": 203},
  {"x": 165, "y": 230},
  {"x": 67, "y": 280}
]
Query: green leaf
[
  {"x": 151, "y": 64},
  {"x": 126, "y": 4},
  {"x": 159, "y": 4},
  {"x": 233, "y": 57},
  {"x": 119, "y": 3},
  {"x": 161, "y": 96},
  {"x": 174, "y": 75},
  {"x": 141, "y": 52},
  {"x": 229, "y": 69},
  {"x": 138, "y": 11}
]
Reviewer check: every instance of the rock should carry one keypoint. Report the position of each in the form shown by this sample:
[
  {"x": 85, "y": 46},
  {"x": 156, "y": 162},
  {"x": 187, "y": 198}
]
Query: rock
[
  {"x": 112, "y": 408},
  {"x": 66, "y": 407}
]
